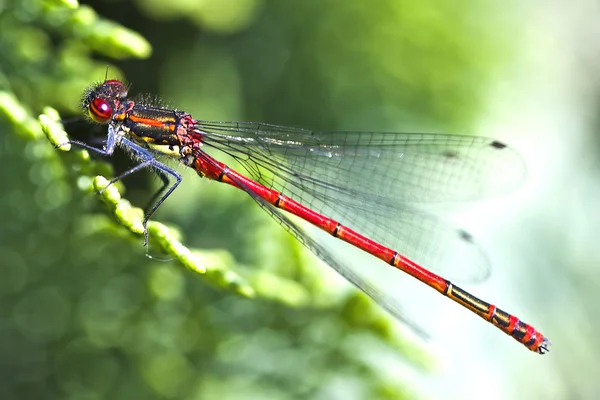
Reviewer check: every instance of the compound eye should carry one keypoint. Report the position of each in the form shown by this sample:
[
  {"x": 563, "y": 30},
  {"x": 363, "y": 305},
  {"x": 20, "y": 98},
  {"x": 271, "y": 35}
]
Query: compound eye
[{"x": 100, "y": 110}]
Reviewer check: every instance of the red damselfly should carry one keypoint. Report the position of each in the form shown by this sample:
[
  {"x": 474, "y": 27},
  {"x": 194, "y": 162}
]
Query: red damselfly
[{"x": 320, "y": 177}]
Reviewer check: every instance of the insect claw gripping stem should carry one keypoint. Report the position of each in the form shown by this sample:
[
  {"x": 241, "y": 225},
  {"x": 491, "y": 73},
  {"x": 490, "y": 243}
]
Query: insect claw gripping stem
[{"x": 146, "y": 234}]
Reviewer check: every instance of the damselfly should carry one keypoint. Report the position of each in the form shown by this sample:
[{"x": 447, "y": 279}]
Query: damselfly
[{"x": 360, "y": 187}]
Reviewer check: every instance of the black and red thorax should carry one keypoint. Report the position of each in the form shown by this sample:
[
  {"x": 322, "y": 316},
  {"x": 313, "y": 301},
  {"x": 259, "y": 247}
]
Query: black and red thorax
[{"x": 144, "y": 124}]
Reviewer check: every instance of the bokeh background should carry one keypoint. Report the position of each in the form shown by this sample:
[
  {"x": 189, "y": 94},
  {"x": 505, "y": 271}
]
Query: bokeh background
[{"x": 85, "y": 315}]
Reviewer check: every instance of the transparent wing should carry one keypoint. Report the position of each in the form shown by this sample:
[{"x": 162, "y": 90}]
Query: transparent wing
[
  {"x": 377, "y": 183},
  {"x": 367, "y": 283},
  {"x": 391, "y": 168}
]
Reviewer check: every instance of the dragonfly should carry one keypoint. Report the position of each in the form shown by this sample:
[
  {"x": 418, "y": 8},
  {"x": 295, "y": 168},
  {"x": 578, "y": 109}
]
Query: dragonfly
[{"x": 363, "y": 188}]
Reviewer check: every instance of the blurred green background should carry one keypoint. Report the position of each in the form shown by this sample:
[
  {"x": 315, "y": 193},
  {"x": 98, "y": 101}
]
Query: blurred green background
[{"x": 85, "y": 315}]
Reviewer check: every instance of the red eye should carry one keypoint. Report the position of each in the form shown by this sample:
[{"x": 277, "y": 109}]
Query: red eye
[{"x": 100, "y": 110}]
